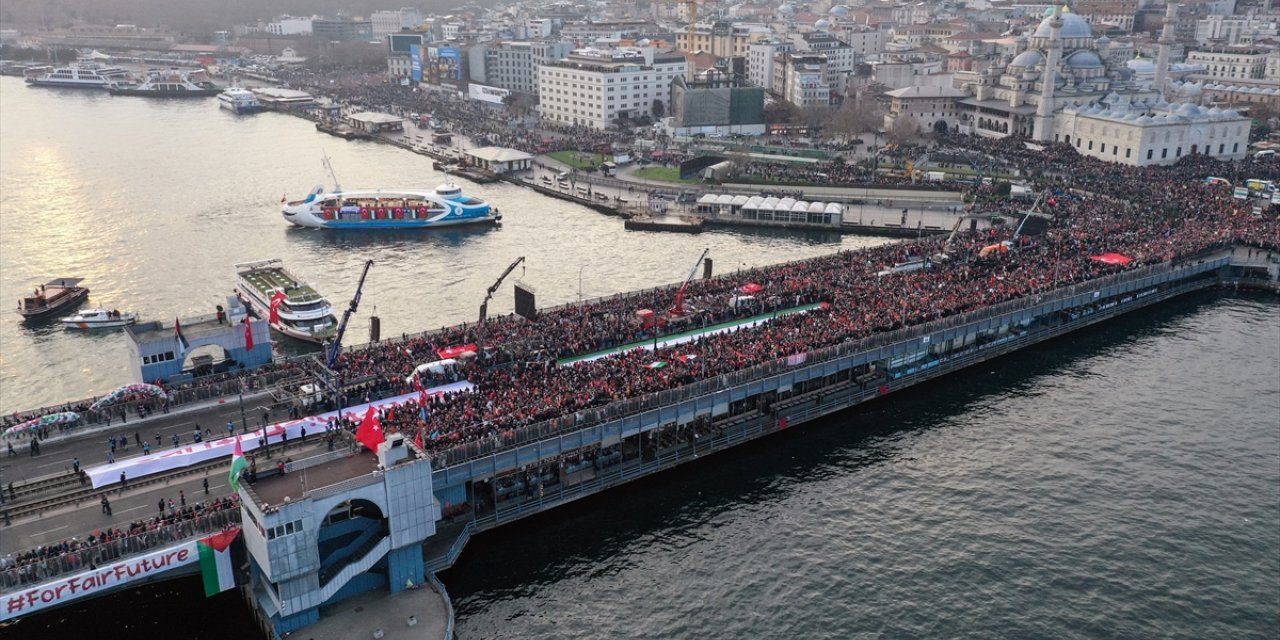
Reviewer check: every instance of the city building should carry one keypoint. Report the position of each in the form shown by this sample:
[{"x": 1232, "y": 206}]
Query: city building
[
  {"x": 760, "y": 61},
  {"x": 927, "y": 109},
  {"x": 387, "y": 22},
  {"x": 1231, "y": 63},
  {"x": 715, "y": 103},
  {"x": 722, "y": 39},
  {"x": 842, "y": 60},
  {"x": 399, "y": 48},
  {"x": 341, "y": 29},
  {"x": 289, "y": 26},
  {"x": 509, "y": 65},
  {"x": 801, "y": 79},
  {"x": 539, "y": 27},
  {"x": 1142, "y": 135},
  {"x": 1216, "y": 29},
  {"x": 598, "y": 88}
]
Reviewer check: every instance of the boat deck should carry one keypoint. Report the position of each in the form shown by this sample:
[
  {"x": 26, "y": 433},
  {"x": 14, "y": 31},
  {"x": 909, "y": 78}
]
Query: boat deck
[{"x": 268, "y": 280}]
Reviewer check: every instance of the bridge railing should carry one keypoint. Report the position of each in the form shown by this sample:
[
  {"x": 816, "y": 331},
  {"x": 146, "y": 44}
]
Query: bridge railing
[{"x": 86, "y": 558}]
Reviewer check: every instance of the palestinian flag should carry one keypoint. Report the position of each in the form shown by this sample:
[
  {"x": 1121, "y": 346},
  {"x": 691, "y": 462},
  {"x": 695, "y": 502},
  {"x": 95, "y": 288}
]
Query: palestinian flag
[
  {"x": 656, "y": 365},
  {"x": 238, "y": 465},
  {"x": 180, "y": 340},
  {"x": 215, "y": 561}
]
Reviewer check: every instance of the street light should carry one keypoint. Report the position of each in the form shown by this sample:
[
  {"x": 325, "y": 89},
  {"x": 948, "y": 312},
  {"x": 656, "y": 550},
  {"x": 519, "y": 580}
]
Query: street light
[{"x": 580, "y": 282}]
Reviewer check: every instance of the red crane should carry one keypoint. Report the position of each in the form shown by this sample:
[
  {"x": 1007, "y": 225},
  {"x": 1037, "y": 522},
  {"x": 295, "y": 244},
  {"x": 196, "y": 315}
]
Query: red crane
[{"x": 678, "y": 309}]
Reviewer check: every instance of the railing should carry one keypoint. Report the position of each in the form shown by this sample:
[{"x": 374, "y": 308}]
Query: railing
[
  {"x": 445, "y": 561},
  {"x": 39, "y": 571},
  {"x": 448, "y": 604},
  {"x": 588, "y": 417}
]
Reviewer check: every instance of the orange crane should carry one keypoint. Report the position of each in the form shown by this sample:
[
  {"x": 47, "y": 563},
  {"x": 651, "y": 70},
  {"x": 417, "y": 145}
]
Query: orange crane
[{"x": 678, "y": 310}]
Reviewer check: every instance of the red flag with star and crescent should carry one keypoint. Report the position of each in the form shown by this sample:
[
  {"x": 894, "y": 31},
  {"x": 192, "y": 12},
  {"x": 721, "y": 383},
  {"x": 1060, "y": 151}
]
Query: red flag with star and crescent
[{"x": 369, "y": 433}]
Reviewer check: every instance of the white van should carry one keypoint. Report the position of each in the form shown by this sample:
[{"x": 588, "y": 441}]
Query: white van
[{"x": 1265, "y": 153}]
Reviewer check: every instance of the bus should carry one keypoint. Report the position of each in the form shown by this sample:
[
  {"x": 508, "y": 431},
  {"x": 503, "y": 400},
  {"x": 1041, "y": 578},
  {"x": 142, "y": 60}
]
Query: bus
[{"x": 609, "y": 168}]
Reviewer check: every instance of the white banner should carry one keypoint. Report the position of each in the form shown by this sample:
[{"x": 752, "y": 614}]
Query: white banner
[
  {"x": 63, "y": 590},
  {"x": 141, "y": 466},
  {"x": 483, "y": 93}
]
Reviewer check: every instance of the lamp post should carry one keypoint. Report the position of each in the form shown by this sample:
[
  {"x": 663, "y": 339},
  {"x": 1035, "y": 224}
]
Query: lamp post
[{"x": 580, "y": 282}]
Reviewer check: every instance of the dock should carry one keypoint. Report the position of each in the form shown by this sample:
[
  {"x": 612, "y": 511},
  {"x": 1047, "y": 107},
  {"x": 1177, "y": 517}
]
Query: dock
[{"x": 668, "y": 223}]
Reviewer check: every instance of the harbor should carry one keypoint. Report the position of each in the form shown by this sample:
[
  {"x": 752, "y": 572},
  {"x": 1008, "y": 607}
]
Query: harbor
[{"x": 540, "y": 466}]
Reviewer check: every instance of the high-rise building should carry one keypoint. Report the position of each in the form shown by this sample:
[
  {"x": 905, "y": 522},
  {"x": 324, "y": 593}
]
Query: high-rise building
[{"x": 596, "y": 88}]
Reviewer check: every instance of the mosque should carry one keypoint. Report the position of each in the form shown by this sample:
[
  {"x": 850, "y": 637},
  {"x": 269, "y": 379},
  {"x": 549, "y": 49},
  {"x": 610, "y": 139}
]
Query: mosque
[{"x": 1058, "y": 88}]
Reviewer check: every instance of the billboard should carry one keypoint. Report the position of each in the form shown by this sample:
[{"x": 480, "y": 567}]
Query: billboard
[
  {"x": 402, "y": 42},
  {"x": 415, "y": 62},
  {"x": 444, "y": 65},
  {"x": 526, "y": 301},
  {"x": 483, "y": 93}
]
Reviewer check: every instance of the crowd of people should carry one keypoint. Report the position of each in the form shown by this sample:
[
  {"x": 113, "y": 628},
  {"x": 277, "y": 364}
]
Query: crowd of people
[
  {"x": 173, "y": 524},
  {"x": 1151, "y": 215}
]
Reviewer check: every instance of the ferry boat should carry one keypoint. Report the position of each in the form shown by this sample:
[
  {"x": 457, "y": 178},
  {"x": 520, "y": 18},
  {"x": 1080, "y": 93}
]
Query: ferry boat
[
  {"x": 98, "y": 318},
  {"x": 302, "y": 314},
  {"x": 173, "y": 83},
  {"x": 237, "y": 100},
  {"x": 389, "y": 209},
  {"x": 78, "y": 76},
  {"x": 52, "y": 296}
]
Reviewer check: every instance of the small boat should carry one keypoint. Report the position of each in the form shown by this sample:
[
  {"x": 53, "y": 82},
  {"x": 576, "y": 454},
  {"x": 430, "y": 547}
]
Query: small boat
[
  {"x": 301, "y": 313},
  {"x": 52, "y": 296},
  {"x": 98, "y": 318},
  {"x": 237, "y": 100},
  {"x": 174, "y": 83}
]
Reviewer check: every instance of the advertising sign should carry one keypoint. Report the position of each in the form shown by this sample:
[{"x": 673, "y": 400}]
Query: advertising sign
[
  {"x": 1241, "y": 193},
  {"x": 444, "y": 64},
  {"x": 415, "y": 62},
  {"x": 484, "y": 93}
]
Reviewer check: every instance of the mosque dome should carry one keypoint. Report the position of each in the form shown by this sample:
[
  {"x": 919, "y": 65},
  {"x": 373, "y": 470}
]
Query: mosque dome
[
  {"x": 1073, "y": 26},
  {"x": 1102, "y": 41},
  {"x": 822, "y": 24},
  {"x": 839, "y": 11},
  {"x": 1083, "y": 59},
  {"x": 1027, "y": 59},
  {"x": 786, "y": 9},
  {"x": 1141, "y": 65}
]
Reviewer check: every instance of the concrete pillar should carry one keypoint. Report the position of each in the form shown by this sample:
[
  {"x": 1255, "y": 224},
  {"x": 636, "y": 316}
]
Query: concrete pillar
[{"x": 405, "y": 564}]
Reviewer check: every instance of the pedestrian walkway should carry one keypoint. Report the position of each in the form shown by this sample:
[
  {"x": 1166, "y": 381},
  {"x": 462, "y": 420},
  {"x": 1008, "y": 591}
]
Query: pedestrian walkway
[{"x": 412, "y": 614}]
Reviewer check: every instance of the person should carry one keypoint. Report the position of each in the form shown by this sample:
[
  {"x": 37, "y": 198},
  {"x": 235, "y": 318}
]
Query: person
[
  {"x": 161, "y": 505},
  {"x": 12, "y": 452},
  {"x": 231, "y": 428},
  {"x": 177, "y": 440},
  {"x": 146, "y": 448},
  {"x": 137, "y": 438},
  {"x": 106, "y": 506},
  {"x": 170, "y": 505},
  {"x": 205, "y": 482},
  {"x": 111, "y": 457},
  {"x": 304, "y": 434},
  {"x": 158, "y": 441},
  {"x": 75, "y": 465},
  {"x": 182, "y": 497},
  {"x": 280, "y": 466},
  {"x": 124, "y": 481}
]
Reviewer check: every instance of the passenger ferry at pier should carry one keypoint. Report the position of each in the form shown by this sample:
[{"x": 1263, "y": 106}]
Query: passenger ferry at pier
[
  {"x": 79, "y": 76},
  {"x": 303, "y": 314},
  {"x": 389, "y": 209},
  {"x": 237, "y": 100},
  {"x": 173, "y": 83}
]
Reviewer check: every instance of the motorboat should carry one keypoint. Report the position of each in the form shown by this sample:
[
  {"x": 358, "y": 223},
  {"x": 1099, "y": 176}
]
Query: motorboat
[
  {"x": 52, "y": 296},
  {"x": 98, "y": 318}
]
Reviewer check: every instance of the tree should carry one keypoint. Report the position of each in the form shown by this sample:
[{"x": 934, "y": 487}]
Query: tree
[
  {"x": 905, "y": 129},
  {"x": 658, "y": 109},
  {"x": 520, "y": 104},
  {"x": 780, "y": 112},
  {"x": 860, "y": 115},
  {"x": 815, "y": 116}
]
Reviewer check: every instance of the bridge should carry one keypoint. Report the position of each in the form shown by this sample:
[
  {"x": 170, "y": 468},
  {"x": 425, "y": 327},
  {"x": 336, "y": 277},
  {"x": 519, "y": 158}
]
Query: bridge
[{"x": 338, "y": 523}]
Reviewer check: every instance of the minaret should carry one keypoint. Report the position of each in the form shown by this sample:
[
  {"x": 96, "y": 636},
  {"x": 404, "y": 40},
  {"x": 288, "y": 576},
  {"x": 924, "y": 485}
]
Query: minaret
[
  {"x": 1166, "y": 41},
  {"x": 1044, "y": 111}
]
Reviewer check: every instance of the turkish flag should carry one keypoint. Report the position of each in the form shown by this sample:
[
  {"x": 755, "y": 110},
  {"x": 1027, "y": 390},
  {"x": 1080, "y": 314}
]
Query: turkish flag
[
  {"x": 248, "y": 335},
  {"x": 276, "y": 299},
  {"x": 369, "y": 433}
]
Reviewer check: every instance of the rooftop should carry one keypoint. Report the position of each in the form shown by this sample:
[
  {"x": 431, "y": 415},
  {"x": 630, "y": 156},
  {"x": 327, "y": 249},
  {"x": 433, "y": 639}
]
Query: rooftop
[
  {"x": 274, "y": 490},
  {"x": 499, "y": 154}
]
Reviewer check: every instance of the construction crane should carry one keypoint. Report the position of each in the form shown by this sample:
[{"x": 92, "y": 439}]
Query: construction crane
[
  {"x": 484, "y": 306},
  {"x": 336, "y": 347},
  {"x": 678, "y": 309},
  {"x": 691, "y": 9}
]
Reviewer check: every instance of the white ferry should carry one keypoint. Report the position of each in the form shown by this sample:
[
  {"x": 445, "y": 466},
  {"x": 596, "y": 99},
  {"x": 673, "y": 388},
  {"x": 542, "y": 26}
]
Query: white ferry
[
  {"x": 237, "y": 100},
  {"x": 98, "y": 318},
  {"x": 173, "y": 83},
  {"x": 389, "y": 209},
  {"x": 302, "y": 314},
  {"x": 80, "y": 76}
]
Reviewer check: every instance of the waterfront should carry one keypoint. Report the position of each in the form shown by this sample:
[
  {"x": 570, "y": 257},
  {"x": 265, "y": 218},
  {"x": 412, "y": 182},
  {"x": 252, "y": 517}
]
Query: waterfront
[{"x": 155, "y": 201}]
